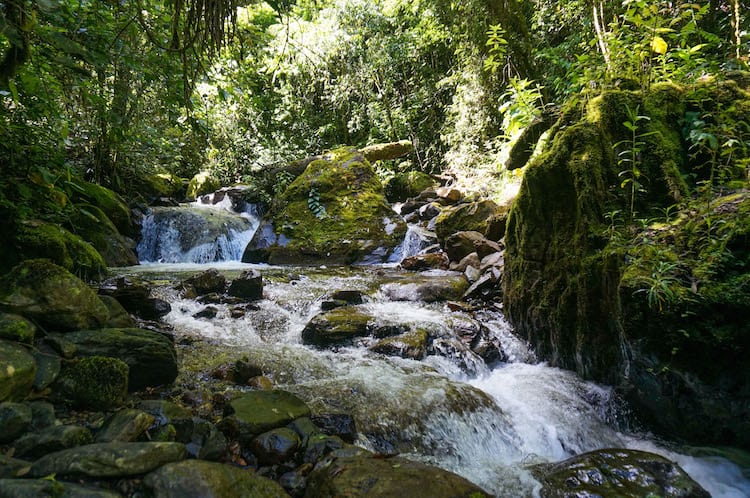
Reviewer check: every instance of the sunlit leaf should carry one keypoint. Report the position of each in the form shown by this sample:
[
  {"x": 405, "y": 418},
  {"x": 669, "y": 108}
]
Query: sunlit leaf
[{"x": 658, "y": 45}]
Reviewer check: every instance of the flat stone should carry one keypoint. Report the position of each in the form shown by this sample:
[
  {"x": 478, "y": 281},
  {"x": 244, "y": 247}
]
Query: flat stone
[{"x": 260, "y": 411}]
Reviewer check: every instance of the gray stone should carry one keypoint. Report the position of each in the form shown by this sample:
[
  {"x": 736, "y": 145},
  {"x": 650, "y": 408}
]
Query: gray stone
[
  {"x": 260, "y": 411},
  {"x": 108, "y": 459},
  {"x": 275, "y": 446},
  {"x": 17, "y": 371},
  {"x": 124, "y": 426},
  {"x": 48, "y": 367},
  {"x": 54, "y": 438},
  {"x": 26, "y": 488},
  {"x": 249, "y": 285},
  {"x": 15, "y": 418}
]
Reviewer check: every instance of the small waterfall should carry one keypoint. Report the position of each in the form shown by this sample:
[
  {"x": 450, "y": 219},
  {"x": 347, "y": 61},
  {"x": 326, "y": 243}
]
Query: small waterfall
[
  {"x": 199, "y": 233},
  {"x": 415, "y": 240}
]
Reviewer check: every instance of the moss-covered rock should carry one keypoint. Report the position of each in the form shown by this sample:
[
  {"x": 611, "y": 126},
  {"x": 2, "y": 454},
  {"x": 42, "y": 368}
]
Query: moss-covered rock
[
  {"x": 412, "y": 344},
  {"x": 338, "y": 326},
  {"x": 260, "y": 411},
  {"x": 94, "y": 382},
  {"x": 124, "y": 426},
  {"x": 15, "y": 418},
  {"x": 402, "y": 186},
  {"x": 424, "y": 287},
  {"x": 484, "y": 217},
  {"x": 20, "y": 488},
  {"x": 93, "y": 225},
  {"x": 50, "y": 439},
  {"x": 617, "y": 472},
  {"x": 202, "y": 183},
  {"x": 38, "y": 239},
  {"x": 387, "y": 151},
  {"x": 150, "y": 355},
  {"x": 17, "y": 371},
  {"x": 114, "y": 207},
  {"x": 16, "y": 328},
  {"x": 210, "y": 480},
  {"x": 335, "y": 212},
  {"x": 51, "y": 296}
]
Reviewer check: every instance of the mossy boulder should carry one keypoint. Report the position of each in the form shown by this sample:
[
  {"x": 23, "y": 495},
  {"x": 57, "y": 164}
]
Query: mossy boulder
[
  {"x": 338, "y": 326},
  {"x": 124, "y": 426},
  {"x": 209, "y": 479},
  {"x": 18, "y": 488},
  {"x": 38, "y": 239},
  {"x": 94, "y": 382},
  {"x": 257, "y": 412},
  {"x": 483, "y": 216},
  {"x": 15, "y": 418},
  {"x": 617, "y": 472},
  {"x": 51, "y": 296},
  {"x": 402, "y": 186},
  {"x": 361, "y": 475},
  {"x": 50, "y": 439},
  {"x": 110, "y": 203},
  {"x": 425, "y": 287},
  {"x": 202, "y": 183},
  {"x": 17, "y": 371},
  {"x": 150, "y": 355},
  {"x": 93, "y": 225},
  {"x": 387, "y": 151},
  {"x": 16, "y": 328},
  {"x": 412, "y": 344},
  {"x": 335, "y": 212}
]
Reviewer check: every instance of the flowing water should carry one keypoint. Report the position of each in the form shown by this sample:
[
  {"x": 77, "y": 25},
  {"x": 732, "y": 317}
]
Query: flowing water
[{"x": 486, "y": 423}]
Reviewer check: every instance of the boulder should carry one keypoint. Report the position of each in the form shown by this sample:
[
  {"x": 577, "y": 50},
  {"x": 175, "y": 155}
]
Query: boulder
[
  {"x": 150, "y": 355},
  {"x": 484, "y": 217},
  {"x": 210, "y": 480},
  {"x": 202, "y": 183},
  {"x": 16, "y": 328},
  {"x": 387, "y": 151},
  {"x": 113, "y": 206},
  {"x": 259, "y": 411},
  {"x": 337, "y": 326},
  {"x": 40, "y": 240},
  {"x": 335, "y": 212},
  {"x": 470, "y": 260},
  {"x": 364, "y": 475},
  {"x": 10, "y": 467},
  {"x": 402, "y": 186},
  {"x": 48, "y": 366},
  {"x": 275, "y": 446},
  {"x": 93, "y": 226},
  {"x": 118, "y": 315},
  {"x": 616, "y": 472},
  {"x": 460, "y": 244},
  {"x": 134, "y": 295},
  {"x": 428, "y": 289},
  {"x": 248, "y": 285},
  {"x": 15, "y": 418},
  {"x": 124, "y": 426},
  {"x": 21, "y": 488},
  {"x": 207, "y": 282},
  {"x": 108, "y": 459},
  {"x": 51, "y": 296},
  {"x": 94, "y": 382},
  {"x": 421, "y": 262},
  {"x": 54, "y": 438},
  {"x": 17, "y": 371},
  {"x": 412, "y": 344},
  {"x": 451, "y": 195}
]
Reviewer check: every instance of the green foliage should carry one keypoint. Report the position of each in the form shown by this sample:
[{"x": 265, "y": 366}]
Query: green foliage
[
  {"x": 313, "y": 202},
  {"x": 497, "y": 47}
]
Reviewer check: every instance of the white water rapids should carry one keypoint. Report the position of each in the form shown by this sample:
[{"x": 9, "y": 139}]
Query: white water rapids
[{"x": 521, "y": 412}]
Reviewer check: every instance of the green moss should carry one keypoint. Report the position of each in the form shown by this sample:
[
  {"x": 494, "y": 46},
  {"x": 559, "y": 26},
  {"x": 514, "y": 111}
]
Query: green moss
[
  {"x": 201, "y": 184},
  {"x": 95, "y": 382},
  {"x": 16, "y": 328},
  {"x": 109, "y": 202},
  {"x": 95, "y": 227}
]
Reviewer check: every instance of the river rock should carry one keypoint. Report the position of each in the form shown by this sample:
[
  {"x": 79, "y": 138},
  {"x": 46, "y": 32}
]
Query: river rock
[
  {"x": 150, "y": 355},
  {"x": 23, "y": 488},
  {"x": 16, "y": 328},
  {"x": 17, "y": 371},
  {"x": 402, "y": 186},
  {"x": 341, "y": 425},
  {"x": 134, "y": 295},
  {"x": 452, "y": 195},
  {"x": 10, "y": 467},
  {"x": 366, "y": 476},
  {"x": 260, "y": 411},
  {"x": 54, "y": 438},
  {"x": 48, "y": 366},
  {"x": 201, "y": 438},
  {"x": 42, "y": 415},
  {"x": 124, "y": 426},
  {"x": 202, "y": 183},
  {"x": 335, "y": 212},
  {"x": 421, "y": 262},
  {"x": 164, "y": 411},
  {"x": 412, "y": 344},
  {"x": 470, "y": 260},
  {"x": 337, "y": 326},
  {"x": 51, "y": 296},
  {"x": 617, "y": 472},
  {"x": 93, "y": 382},
  {"x": 118, "y": 315},
  {"x": 249, "y": 286},
  {"x": 460, "y": 244},
  {"x": 96, "y": 228},
  {"x": 425, "y": 288},
  {"x": 275, "y": 446},
  {"x": 207, "y": 282},
  {"x": 108, "y": 459},
  {"x": 210, "y": 480},
  {"x": 484, "y": 217},
  {"x": 15, "y": 418}
]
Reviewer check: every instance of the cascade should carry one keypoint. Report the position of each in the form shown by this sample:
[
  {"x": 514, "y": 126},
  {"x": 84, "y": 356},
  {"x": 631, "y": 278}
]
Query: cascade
[{"x": 485, "y": 422}]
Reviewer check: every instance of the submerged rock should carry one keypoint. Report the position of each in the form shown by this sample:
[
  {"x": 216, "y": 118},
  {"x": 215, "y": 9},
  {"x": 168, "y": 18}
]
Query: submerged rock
[
  {"x": 51, "y": 296},
  {"x": 366, "y": 476},
  {"x": 210, "y": 480},
  {"x": 108, "y": 459},
  {"x": 617, "y": 472},
  {"x": 335, "y": 212}
]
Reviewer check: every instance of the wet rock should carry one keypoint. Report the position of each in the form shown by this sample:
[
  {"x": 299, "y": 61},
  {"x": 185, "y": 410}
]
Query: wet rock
[
  {"x": 341, "y": 425},
  {"x": 320, "y": 445},
  {"x": 10, "y": 467},
  {"x": 404, "y": 185},
  {"x": 124, "y": 426},
  {"x": 134, "y": 295},
  {"x": 425, "y": 288},
  {"x": 207, "y": 312},
  {"x": 450, "y": 194},
  {"x": 471, "y": 259},
  {"x": 460, "y": 244},
  {"x": 150, "y": 355},
  {"x": 412, "y": 344},
  {"x": 23, "y": 488},
  {"x": 209, "y": 480},
  {"x": 207, "y": 282},
  {"x": 94, "y": 382},
  {"x": 348, "y": 296},
  {"x": 164, "y": 411},
  {"x": 275, "y": 446},
  {"x": 17, "y": 371},
  {"x": 42, "y": 415},
  {"x": 429, "y": 211},
  {"x": 484, "y": 217},
  {"x": 260, "y": 411},
  {"x": 16, "y": 328},
  {"x": 294, "y": 483},
  {"x": 51, "y": 296},
  {"x": 95, "y": 227},
  {"x": 364, "y": 475},
  {"x": 15, "y": 418},
  {"x": 118, "y": 315},
  {"x": 487, "y": 286},
  {"x": 48, "y": 366},
  {"x": 201, "y": 438},
  {"x": 430, "y": 261},
  {"x": 249, "y": 286},
  {"x": 305, "y": 428},
  {"x": 108, "y": 459},
  {"x": 338, "y": 326},
  {"x": 54, "y": 438},
  {"x": 616, "y": 472}
]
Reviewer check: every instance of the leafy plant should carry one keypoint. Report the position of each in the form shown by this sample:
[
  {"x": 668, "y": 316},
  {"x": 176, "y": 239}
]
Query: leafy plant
[
  {"x": 659, "y": 286},
  {"x": 313, "y": 202}
]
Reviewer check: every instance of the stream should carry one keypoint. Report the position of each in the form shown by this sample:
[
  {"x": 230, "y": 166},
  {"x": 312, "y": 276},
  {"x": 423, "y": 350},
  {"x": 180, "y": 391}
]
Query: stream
[{"x": 450, "y": 409}]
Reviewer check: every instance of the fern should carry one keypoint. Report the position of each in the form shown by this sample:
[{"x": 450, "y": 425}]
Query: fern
[{"x": 313, "y": 202}]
